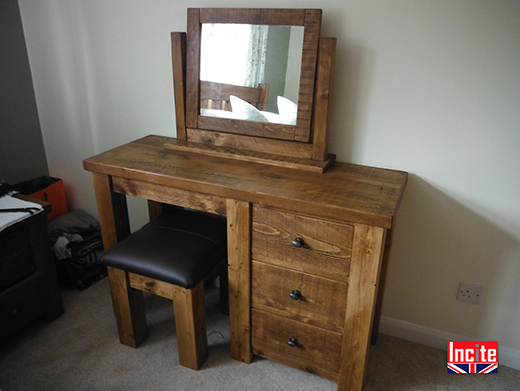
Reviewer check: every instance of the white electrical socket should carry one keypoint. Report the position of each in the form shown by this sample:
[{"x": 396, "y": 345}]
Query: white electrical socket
[{"x": 469, "y": 293}]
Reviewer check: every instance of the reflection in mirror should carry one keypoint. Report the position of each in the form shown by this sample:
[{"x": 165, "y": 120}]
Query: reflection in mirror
[{"x": 251, "y": 72}]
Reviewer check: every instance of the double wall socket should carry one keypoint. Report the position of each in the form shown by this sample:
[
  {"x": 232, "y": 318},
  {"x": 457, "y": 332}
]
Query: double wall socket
[{"x": 469, "y": 293}]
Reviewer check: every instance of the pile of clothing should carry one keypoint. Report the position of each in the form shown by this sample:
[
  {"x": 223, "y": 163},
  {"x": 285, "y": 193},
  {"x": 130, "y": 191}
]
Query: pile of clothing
[{"x": 77, "y": 246}]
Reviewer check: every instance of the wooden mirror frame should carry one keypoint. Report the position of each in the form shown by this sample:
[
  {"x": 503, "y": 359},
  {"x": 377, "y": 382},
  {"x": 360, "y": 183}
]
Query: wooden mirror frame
[{"x": 301, "y": 146}]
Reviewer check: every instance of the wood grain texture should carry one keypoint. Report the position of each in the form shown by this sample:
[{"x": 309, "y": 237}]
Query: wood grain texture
[
  {"x": 190, "y": 325},
  {"x": 327, "y": 246},
  {"x": 320, "y": 119},
  {"x": 239, "y": 272},
  {"x": 112, "y": 211},
  {"x": 318, "y": 350},
  {"x": 381, "y": 287},
  {"x": 248, "y": 143},
  {"x": 250, "y": 156},
  {"x": 249, "y": 128},
  {"x": 278, "y": 16},
  {"x": 311, "y": 37},
  {"x": 151, "y": 285},
  {"x": 192, "y": 66},
  {"x": 128, "y": 309},
  {"x": 367, "y": 252},
  {"x": 345, "y": 192},
  {"x": 322, "y": 302},
  {"x": 169, "y": 195},
  {"x": 178, "y": 41}
]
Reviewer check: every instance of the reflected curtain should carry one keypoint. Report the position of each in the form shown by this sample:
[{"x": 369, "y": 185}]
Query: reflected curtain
[{"x": 256, "y": 55}]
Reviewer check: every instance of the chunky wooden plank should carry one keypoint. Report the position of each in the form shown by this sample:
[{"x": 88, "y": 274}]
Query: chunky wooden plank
[
  {"x": 169, "y": 195},
  {"x": 248, "y": 143},
  {"x": 278, "y": 16},
  {"x": 250, "y": 156},
  {"x": 381, "y": 287},
  {"x": 367, "y": 253},
  {"x": 320, "y": 128},
  {"x": 345, "y": 192},
  {"x": 192, "y": 67},
  {"x": 112, "y": 211},
  {"x": 179, "y": 71},
  {"x": 239, "y": 272},
  {"x": 311, "y": 38},
  {"x": 128, "y": 309},
  {"x": 250, "y": 128},
  {"x": 128, "y": 303},
  {"x": 151, "y": 285},
  {"x": 327, "y": 246},
  {"x": 190, "y": 325},
  {"x": 322, "y": 302},
  {"x": 318, "y": 350}
]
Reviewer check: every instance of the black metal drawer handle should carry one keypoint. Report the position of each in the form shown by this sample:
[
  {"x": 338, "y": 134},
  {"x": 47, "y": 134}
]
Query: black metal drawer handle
[
  {"x": 295, "y": 295},
  {"x": 293, "y": 342},
  {"x": 298, "y": 242}
]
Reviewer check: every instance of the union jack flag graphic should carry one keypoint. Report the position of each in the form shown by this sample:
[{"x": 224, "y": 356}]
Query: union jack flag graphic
[
  {"x": 472, "y": 357},
  {"x": 472, "y": 368}
]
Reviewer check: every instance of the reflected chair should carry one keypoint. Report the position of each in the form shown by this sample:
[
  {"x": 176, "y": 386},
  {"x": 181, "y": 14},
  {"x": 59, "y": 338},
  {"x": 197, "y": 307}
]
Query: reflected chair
[{"x": 172, "y": 256}]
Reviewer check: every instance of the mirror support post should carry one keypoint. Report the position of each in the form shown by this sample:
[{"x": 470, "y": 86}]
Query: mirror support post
[
  {"x": 322, "y": 94},
  {"x": 179, "y": 81}
]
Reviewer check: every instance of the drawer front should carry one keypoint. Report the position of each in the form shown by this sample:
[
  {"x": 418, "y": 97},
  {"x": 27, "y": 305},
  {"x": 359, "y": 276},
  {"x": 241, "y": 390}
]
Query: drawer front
[
  {"x": 326, "y": 250},
  {"x": 16, "y": 257},
  {"x": 315, "y": 300},
  {"x": 317, "y": 350},
  {"x": 22, "y": 303}
]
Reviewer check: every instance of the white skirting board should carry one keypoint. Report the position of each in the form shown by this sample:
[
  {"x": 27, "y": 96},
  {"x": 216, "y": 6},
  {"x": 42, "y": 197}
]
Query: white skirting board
[{"x": 508, "y": 357}]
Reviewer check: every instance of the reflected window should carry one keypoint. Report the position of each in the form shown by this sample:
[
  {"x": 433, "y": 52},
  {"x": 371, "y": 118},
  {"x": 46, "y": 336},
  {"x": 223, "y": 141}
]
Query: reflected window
[{"x": 233, "y": 53}]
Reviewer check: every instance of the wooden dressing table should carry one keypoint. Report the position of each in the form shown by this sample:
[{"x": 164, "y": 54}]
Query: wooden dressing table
[
  {"x": 307, "y": 249},
  {"x": 343, "y": 216}
]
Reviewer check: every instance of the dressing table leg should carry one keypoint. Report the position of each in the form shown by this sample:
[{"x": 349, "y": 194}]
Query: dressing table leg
[
  {"x": 128, "y": 302},
  {"x": 239, "y": 272},
  {"x": 366, "y": 259}
]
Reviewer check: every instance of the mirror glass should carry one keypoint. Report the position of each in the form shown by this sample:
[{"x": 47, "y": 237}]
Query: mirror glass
[{"x": 262, "y": 60}]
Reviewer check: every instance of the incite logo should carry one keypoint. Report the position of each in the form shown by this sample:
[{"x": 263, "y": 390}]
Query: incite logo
[{"x": 472, "y": 356}]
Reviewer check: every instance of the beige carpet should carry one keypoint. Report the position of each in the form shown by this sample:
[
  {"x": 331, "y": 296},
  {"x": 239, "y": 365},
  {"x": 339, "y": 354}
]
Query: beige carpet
[{"x": 81, "y": 351}]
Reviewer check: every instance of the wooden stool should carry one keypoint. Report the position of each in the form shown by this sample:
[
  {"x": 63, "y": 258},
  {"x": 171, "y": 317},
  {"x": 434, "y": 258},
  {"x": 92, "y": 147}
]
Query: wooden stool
[{"x": 171, "y": 256}]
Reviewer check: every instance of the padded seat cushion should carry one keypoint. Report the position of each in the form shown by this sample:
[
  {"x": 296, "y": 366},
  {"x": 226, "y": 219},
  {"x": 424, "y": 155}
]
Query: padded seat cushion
[{"x": 182, "y": 248}]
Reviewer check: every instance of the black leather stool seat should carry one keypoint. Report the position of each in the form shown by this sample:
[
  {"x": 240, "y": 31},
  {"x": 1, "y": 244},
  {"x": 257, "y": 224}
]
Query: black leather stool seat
[{"x": 181, "y": 248}]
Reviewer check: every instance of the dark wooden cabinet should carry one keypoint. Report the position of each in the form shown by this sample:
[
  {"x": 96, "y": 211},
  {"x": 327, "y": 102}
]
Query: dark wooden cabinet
[{"x": 29, "y": 287}]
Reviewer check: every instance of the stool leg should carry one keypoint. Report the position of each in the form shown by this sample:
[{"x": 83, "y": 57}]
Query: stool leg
[
  {"x": 128, "y": 309},
  {"x": 190, "y": 325}
]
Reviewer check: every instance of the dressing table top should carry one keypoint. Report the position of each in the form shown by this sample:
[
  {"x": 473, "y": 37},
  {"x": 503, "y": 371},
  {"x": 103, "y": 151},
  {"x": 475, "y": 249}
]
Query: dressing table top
[{"x": 346, "y": 192}]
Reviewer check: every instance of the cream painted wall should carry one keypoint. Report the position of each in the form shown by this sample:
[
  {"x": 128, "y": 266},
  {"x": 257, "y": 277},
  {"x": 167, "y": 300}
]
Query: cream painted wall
[{"x": 430, "y": 87}]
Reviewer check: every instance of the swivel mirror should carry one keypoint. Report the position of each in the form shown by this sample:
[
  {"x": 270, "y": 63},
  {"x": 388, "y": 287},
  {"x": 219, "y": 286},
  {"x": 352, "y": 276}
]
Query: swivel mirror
[{"x": 254, "y": 84}]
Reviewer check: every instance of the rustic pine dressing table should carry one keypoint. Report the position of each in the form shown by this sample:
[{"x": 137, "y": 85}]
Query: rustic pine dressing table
[{"x": 308, "y": 237}]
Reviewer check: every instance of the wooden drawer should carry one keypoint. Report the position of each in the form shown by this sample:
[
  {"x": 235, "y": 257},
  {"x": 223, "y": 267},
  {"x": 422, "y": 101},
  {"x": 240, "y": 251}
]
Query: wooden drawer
[
  {"x": 16, "y": 257},
  {"x": 322, "y": 302},
  {"x": 318, "y": 350},
  {"x": 326, "y": 251},
  {"x": 22, "y": 303}
]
